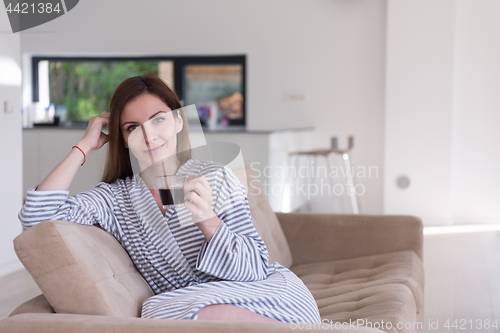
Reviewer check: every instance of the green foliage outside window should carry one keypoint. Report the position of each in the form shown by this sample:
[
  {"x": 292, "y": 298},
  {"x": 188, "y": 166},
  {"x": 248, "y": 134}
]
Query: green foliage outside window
[{"x": 84, "y": 88}]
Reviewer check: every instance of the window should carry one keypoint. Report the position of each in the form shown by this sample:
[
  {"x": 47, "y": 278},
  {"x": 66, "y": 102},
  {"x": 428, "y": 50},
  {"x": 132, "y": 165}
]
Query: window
[{"x": 76, "y": 88}]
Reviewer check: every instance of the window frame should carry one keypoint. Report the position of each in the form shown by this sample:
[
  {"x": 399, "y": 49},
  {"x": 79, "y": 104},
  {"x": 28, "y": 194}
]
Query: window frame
[{"x": 180, "y": 62}]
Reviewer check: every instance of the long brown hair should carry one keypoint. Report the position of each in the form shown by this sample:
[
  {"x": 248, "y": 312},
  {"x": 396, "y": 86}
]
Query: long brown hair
[{"x": 118, "y": 164}]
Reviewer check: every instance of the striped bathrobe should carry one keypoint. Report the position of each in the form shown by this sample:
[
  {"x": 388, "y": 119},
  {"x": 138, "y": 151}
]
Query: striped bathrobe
[{"x": 185, "y": 272}]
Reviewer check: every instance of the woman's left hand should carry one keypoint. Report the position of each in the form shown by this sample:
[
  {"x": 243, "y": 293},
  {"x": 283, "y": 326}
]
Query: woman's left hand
[{"x": 198, "y": 195}]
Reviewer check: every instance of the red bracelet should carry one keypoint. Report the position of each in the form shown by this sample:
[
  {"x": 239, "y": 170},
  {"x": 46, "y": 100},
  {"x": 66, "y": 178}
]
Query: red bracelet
[{"x": 84, "y": 157}]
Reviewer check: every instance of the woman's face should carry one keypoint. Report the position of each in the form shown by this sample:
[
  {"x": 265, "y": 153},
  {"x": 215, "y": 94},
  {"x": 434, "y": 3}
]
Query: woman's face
[{"x": 150, "y": 129}]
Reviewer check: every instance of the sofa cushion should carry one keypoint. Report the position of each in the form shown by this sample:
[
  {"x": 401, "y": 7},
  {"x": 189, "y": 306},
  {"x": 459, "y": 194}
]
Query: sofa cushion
[
  {"x": 82, "y": 269},
  {"x": 264, "y": 219},
  {"x": 385, "y": 287},
  {"x": 38, "y": 304}
]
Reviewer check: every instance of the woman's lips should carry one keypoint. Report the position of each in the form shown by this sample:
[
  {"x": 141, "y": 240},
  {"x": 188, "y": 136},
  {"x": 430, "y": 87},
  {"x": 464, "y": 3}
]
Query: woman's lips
[{"x": 154, "y": 150}]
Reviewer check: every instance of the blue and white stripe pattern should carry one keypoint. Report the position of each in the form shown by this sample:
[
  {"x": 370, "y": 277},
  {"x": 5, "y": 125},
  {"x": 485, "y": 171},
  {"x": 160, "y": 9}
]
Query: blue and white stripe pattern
[{"x": 185, "y": 272}]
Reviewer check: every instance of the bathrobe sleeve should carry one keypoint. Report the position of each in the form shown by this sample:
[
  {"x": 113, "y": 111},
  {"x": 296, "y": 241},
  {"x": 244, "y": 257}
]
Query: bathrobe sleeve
[
  {"x": 91, "y": 207},
  {"x": 236, "y": 252}
]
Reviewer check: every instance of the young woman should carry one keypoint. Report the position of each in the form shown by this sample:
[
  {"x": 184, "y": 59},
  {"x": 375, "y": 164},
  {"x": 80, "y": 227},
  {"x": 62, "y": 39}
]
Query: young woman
[{"x": 213, "y": 268}]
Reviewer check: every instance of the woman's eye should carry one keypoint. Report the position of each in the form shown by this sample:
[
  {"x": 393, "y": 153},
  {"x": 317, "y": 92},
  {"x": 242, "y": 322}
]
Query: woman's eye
[
  {"x": 131, "y": 128},
  {"x": 158, "y": 120}
]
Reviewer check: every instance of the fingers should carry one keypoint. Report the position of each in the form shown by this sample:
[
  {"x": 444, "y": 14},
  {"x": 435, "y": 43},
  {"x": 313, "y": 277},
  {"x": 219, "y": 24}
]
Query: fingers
[
  {"x": 205, "y": 183},
  {"x": 94, "y": 138},
  {"x": 198, "y": 195},
  {"x": 200, "y": 209},
  {"x": 103, "y": 139},
  {"x": 199, "y": 184},
  {"x": 195, "y": 211},
  {"x": 196, "y": 204},
  {"x": 103, "y": 118},
  {"x": 103, "y": 115},
  {"x": 195, "y": 199},
  {"x": 198, "y": 189},
  {"x": 202, "y": 180},
  {"x": 97, "y": 122}
]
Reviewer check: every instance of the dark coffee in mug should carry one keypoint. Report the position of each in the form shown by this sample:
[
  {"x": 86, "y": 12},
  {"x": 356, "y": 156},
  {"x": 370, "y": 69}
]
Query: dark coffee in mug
[{"x": 172, "y": 196}]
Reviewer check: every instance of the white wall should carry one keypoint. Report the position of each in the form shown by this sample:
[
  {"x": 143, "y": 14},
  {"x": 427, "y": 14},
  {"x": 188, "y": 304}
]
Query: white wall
[
  {"x": 10, "y": 145},
  {"x": 443, "y": 79},
  {"x": 419, "y": 107},
  {"x": 329, "y": 51},
  {"x": 347, "y": 82},
  {"x": 476, "y": 156}
]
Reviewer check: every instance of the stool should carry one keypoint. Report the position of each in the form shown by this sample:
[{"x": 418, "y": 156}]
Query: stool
[{"x": 339, "y": 206}]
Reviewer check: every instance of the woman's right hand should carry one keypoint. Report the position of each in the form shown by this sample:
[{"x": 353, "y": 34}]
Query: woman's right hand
[{"x": 94, "y": 138}]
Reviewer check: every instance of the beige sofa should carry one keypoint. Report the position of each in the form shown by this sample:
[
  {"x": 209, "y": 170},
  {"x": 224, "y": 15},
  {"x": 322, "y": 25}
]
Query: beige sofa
[{"x": 364, "y": 271}]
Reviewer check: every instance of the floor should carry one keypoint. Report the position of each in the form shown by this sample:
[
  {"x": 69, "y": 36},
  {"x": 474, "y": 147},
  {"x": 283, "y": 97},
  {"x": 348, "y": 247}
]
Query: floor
[
  {"x": 462, "y": 266},
  {"x": 15, "y": 289},
  {"x": 462, "y": 273}
]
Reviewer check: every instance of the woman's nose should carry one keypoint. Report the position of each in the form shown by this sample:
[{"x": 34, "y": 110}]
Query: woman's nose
[{"x": 148, "y": 133}]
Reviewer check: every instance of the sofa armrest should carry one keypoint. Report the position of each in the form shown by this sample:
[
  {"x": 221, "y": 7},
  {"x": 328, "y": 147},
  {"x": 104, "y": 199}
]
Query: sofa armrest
[
  {"x": 327, "y": 237},
  {"x": 38, "y": 304},
  {"x": 63, "y": 323}
]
